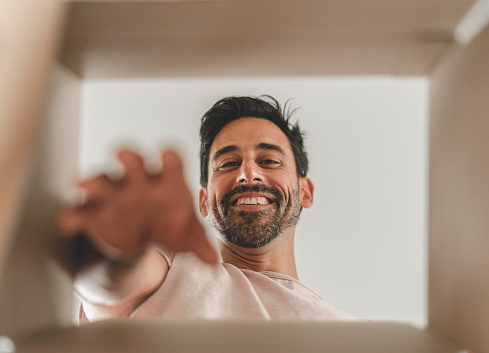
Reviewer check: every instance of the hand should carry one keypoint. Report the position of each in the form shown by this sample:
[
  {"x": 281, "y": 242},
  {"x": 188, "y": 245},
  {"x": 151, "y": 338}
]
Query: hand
[{"x": 123, "y": 216}]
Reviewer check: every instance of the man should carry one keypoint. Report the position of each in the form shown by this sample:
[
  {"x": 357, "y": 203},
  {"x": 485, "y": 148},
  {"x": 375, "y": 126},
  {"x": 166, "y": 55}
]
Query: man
[{"x": 158, "y": 259}]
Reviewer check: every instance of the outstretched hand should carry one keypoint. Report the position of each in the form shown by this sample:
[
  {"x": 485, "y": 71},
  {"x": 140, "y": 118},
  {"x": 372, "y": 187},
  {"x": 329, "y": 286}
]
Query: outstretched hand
[{"x": 122, "y": 217}]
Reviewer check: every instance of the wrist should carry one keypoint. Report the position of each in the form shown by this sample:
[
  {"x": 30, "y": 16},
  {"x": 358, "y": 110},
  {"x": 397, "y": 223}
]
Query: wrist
[{"x": 93, "y": 250}]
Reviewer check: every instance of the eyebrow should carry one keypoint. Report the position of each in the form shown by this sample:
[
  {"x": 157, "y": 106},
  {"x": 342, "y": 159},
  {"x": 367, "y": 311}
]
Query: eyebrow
[
  {"x": 260, "y": 146},
  {"x": 269, "y": 146},
  {"x": 224, "y": 150}
]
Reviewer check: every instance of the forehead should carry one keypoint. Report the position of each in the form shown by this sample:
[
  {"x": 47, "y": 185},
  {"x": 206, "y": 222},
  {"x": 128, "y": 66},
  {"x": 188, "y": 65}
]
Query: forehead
[{"x": 249, "y": 132}]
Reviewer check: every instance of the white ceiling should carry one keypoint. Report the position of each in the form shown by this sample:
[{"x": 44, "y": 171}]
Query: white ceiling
[{"x": 263, "y": 37}]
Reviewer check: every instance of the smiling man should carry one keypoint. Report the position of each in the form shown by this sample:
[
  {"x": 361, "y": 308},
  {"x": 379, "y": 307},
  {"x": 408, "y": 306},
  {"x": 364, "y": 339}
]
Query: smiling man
[{"x": 158, "y": 261}]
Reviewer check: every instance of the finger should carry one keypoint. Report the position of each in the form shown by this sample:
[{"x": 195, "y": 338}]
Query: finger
[
  {"x": 172, "y": 166},
  {"x": 71, "y": 221},
  {"x": 198, "y": 243},
  {"x": 133, "y": 165},
  {"x": 97, "y": 187}
]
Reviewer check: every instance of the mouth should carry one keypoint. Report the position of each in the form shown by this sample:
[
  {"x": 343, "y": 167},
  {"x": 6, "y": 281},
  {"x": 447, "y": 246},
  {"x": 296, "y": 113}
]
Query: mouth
[{"x": 252, "y": 201}]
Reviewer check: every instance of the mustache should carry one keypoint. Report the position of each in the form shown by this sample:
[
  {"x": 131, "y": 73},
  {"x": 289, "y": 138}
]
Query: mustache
[{"x": 255, "y": 188}]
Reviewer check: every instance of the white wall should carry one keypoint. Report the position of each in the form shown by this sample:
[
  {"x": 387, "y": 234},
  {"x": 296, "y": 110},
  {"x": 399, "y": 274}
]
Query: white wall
[{"x": 362, "y": 246}]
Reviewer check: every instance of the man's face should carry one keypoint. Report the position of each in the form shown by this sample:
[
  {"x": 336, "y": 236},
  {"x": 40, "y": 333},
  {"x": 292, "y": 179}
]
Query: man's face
[{"x": 253, "y": 193}]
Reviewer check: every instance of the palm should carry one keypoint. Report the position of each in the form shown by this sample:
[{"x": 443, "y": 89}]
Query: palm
[{"x": 141, "y": 208}]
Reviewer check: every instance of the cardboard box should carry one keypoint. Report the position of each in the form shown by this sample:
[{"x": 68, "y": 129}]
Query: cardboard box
[{"x": 215, "y": 38}]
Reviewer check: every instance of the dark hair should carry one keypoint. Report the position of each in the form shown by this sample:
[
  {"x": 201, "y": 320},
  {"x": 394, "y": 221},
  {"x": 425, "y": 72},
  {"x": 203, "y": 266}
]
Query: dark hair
[{"x": 232, "y": 108}]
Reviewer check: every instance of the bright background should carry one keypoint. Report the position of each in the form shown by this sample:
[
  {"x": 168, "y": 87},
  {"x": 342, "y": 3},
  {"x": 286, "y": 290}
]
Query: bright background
[{"x": 362, "y": 246}]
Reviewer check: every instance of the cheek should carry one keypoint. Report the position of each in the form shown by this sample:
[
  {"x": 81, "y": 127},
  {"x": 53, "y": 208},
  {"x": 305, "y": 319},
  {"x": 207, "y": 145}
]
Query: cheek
[
  {"x": 223, "y": 186},
  {"x": 214, "y": 199},
  {"x": 288, "y": 186},
  {"x": 211, "y": 200}
]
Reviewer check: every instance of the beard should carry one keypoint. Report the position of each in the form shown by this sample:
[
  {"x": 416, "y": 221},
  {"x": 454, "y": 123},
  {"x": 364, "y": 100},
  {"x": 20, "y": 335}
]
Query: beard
[{"x": 254, "y": 229}]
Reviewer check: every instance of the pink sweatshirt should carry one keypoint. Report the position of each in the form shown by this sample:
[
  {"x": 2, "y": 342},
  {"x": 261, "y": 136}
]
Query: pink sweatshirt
[{"x": 195, "y": 290}]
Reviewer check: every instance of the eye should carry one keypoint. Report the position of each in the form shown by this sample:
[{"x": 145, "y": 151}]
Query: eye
[
  {"x": 228, "y": 165},
  {"x": 269, "y": 162}
]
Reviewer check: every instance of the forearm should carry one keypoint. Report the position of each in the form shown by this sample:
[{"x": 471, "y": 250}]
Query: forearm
[{"x": 114, "y": 288}]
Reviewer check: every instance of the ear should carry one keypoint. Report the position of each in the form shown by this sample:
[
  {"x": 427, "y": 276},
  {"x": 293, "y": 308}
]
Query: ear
[
  {"x": 203, "y": 202},
  {"x": 307, "y": 192}
]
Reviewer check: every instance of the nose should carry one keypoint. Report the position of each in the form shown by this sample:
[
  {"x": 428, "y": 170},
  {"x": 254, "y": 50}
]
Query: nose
[{"x": 249, "y": 173}]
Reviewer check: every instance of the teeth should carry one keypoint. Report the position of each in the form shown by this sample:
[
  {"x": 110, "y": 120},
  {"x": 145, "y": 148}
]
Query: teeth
[{"x": 252, "y": 201}]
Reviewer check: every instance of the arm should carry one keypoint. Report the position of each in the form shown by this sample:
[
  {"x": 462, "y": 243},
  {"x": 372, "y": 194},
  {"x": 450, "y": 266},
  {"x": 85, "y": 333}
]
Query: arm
[
  {"x": 123, "y": 219},
  {"x": 111, "y": 289}
]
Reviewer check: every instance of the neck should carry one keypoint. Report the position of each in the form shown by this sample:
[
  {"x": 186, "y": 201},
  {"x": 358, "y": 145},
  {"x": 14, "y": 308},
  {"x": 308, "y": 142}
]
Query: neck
[{"x": 277, "y": 256}]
